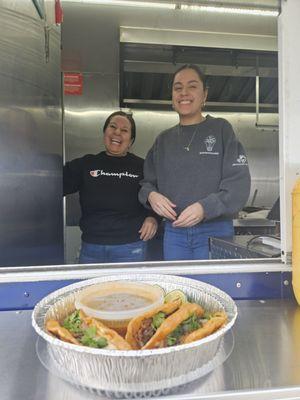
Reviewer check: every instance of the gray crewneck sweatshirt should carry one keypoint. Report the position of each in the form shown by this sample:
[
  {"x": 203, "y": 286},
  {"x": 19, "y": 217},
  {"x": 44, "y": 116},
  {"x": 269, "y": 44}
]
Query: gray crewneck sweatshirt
[{"x": 214, "y": 172}]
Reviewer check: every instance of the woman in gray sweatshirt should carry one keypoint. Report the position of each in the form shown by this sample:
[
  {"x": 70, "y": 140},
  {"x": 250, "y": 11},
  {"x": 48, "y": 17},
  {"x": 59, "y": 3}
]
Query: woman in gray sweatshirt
[{"x": 196, "y": 174}]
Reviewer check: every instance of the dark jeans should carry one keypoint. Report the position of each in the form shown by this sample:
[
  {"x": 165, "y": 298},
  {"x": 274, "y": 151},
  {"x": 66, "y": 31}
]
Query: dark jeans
[
  {"x": 192, "y": 243},
  {"x": 98, "y": 253}
]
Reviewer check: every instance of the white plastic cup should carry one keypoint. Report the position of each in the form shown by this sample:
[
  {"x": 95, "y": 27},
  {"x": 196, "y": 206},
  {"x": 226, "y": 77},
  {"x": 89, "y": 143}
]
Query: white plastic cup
[{"x": 115, "y": 303}]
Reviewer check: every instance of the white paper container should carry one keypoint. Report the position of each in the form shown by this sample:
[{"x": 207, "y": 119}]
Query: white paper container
[{"x": 135, "y": 373}]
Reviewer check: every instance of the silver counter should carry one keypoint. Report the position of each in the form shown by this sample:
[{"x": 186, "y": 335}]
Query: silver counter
[{"x": 264, "y": 364}]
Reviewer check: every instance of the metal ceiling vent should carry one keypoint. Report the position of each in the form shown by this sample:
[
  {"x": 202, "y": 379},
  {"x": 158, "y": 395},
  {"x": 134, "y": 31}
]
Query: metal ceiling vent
[{"x": 232, "y": 75}]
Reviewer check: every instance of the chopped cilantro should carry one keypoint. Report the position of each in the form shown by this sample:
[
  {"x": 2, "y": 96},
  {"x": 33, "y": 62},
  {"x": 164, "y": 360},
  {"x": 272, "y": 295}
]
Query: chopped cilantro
[
  {"x": 187, "y": 326},
  {"x": 191, "y": 324},
  {"x": 171, "y": 340},
  {"x": 173, "y": 337},
  {"x": 158, "y": 319},
  {"x": 89, "y": 339},
  {"x": 87, "y": 336},
  {"x": 73, "y": 323}
]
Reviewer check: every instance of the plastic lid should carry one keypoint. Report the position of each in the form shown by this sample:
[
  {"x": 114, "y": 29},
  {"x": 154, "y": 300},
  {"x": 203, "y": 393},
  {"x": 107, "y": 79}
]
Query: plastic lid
[{"x": 119, "y": 300}]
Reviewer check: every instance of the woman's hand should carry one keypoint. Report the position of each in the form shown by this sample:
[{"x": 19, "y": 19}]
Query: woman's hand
[
  {"x": 162, "y": 205},
  {"x": 190, "y": 216},
  {"x": 148, "y": 229}
]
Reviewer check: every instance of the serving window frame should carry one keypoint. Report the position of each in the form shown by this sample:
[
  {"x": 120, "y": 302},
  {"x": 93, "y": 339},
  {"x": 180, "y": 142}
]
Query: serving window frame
[{"x": 229, "y": 271}]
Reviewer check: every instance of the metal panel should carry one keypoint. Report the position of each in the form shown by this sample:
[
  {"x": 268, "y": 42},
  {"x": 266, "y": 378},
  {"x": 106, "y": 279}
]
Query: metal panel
[
  {"x": 255, "y": 226},
  {"x": 25, "y": 295},
  {"x": 90, "y": 36},
  {"x": 31, "y": 224},
  {"x": 264, "y": 285},
  {"x": 94, "y": 46},
  {"x": 198, "y": 38},
  {"x": 242, "y": 246},
  {"x": 261, "y": 4}
]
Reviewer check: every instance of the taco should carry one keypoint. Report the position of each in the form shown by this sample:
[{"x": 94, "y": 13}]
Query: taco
[
  {"x": 59, "y": 331},
  {"x": 209, "y": 326},
  {"x": 176, "y": 326},
  {"x": 143, "y": 327},
  {"x": 80, "y": 329}
]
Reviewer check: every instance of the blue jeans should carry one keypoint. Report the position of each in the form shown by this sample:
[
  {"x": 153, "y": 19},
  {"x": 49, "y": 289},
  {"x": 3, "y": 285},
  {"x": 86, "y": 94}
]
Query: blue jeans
[
  {"x": 98, "y": 253},
  {"x": 192, "y": 243}
]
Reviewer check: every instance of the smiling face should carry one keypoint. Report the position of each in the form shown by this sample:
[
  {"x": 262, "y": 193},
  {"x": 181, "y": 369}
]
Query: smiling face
[
  {"x": 188, "y": 96},
  {"x": 117, "y": 136}
]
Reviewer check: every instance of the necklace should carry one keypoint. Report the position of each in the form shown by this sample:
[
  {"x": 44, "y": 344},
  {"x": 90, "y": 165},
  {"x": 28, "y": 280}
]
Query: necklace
[{"x": 187, "y": 147}]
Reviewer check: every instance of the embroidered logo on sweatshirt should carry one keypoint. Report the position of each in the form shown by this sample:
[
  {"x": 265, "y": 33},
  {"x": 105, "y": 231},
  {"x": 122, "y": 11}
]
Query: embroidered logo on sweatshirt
[
  {"x": 99, "y": 172},
  {"x": 209, "y": 142},
  {"x": 241, "y": 160}
]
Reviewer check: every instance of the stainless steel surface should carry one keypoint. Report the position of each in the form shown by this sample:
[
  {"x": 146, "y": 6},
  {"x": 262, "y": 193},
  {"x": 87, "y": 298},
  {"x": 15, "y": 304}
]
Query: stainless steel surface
[
  {"x": 199, "y": 37},
  {"x": 218, "y": 104},
  {"x": 186, "y": 268},
  {"x": 242, "y": 246},
  {"x": 263, "y": 222},
  {"x": 93, "y": 47},
  {"x": 145, "y": 371},
  {"x": 31, "y": 225},
  {"x": 255, "y": 226},
  {"x": 260, "y": 4},
  {"x": 265, "y": 362}
]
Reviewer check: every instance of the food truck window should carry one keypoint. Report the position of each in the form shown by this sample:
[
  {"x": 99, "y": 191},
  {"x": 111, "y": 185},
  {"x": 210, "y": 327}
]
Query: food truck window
[
  {"x": 242, "y": 76},
  {"x": 124, "y": 56}
]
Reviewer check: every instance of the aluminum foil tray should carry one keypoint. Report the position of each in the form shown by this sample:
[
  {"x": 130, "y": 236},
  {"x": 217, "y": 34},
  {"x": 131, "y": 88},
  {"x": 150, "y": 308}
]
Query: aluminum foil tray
[{"x": 136, "y": 373}]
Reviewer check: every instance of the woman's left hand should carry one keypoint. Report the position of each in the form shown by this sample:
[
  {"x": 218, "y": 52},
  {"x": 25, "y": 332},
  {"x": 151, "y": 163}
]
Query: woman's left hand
[
  {"x": 148, "y": 229},
  {"x": 190, "y": 216}
]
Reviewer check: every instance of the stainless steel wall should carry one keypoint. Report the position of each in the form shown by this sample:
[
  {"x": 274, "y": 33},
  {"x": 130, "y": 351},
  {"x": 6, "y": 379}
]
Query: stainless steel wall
[{"x": 31, "y": 213}]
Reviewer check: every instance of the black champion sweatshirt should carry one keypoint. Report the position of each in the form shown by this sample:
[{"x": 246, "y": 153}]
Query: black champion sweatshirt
[{"x": 108, "y": 190}]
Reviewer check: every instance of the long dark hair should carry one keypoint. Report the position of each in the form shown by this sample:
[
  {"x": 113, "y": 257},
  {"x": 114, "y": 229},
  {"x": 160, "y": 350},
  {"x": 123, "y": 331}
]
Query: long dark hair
[{"x": 123, "y": 114}]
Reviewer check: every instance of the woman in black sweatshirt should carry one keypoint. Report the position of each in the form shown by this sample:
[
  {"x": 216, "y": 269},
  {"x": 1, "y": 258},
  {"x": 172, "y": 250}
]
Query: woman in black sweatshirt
[{"x": 114, "y": 225}]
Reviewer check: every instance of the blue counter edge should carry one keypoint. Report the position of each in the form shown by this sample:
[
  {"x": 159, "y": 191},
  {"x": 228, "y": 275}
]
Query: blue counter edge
[{"x": 240, "y": 286}]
